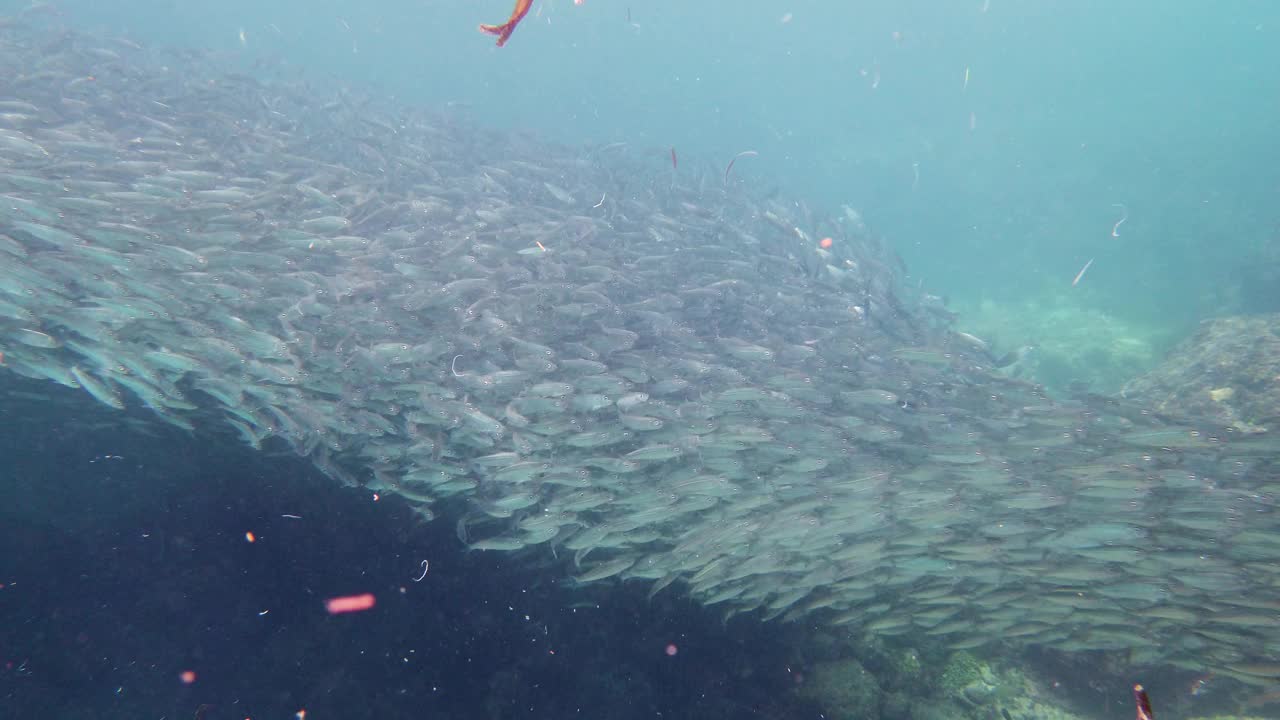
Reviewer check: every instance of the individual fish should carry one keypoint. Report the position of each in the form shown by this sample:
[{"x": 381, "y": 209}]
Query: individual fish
[{"x": 605, "y": 570}]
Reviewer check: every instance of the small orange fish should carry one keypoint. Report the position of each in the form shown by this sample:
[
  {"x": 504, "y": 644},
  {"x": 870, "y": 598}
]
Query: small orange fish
[{"x": 504, "y": 30}]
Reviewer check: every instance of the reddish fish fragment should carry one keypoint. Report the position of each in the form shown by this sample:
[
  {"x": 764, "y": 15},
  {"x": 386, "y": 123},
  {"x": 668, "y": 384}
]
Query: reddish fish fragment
[
  {"x": 1143, "y": 702},
  {"x": 349, "y": 603},
  {"x": 504, "y": 30}
]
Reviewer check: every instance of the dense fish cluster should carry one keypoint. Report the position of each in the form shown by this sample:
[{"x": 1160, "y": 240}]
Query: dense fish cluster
[{"x": 648, "y": 370}]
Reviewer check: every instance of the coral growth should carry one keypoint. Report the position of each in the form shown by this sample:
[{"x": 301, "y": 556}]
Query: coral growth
[
  {"x": 1228, "y": 370},
  {"x": 844, "y": 690},
  {"x": 1070, "y": 344}
]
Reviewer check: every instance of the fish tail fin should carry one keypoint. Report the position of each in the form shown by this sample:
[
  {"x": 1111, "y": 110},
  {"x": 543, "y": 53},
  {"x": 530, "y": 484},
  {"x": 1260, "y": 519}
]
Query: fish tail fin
[{"x": 503, "y": 31}]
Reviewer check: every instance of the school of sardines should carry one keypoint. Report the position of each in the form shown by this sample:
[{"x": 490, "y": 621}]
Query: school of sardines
[{"x": 661, "y": 375}]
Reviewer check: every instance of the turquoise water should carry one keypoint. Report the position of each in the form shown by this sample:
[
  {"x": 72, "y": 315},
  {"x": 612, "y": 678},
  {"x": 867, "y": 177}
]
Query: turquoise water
[
  {"x": 992, "y": 143},
  {"x": 1075, "y": 107}
]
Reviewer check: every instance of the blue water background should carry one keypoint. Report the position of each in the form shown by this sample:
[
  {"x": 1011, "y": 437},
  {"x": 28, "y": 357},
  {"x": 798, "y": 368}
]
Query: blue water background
[{"x": 1071, "y": 108}]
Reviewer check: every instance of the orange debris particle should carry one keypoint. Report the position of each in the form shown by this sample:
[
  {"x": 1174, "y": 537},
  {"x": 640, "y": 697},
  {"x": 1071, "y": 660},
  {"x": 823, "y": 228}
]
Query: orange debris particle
[
  {"x": 349, "y": 603},
  {"x": 504, "y": 30}
]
